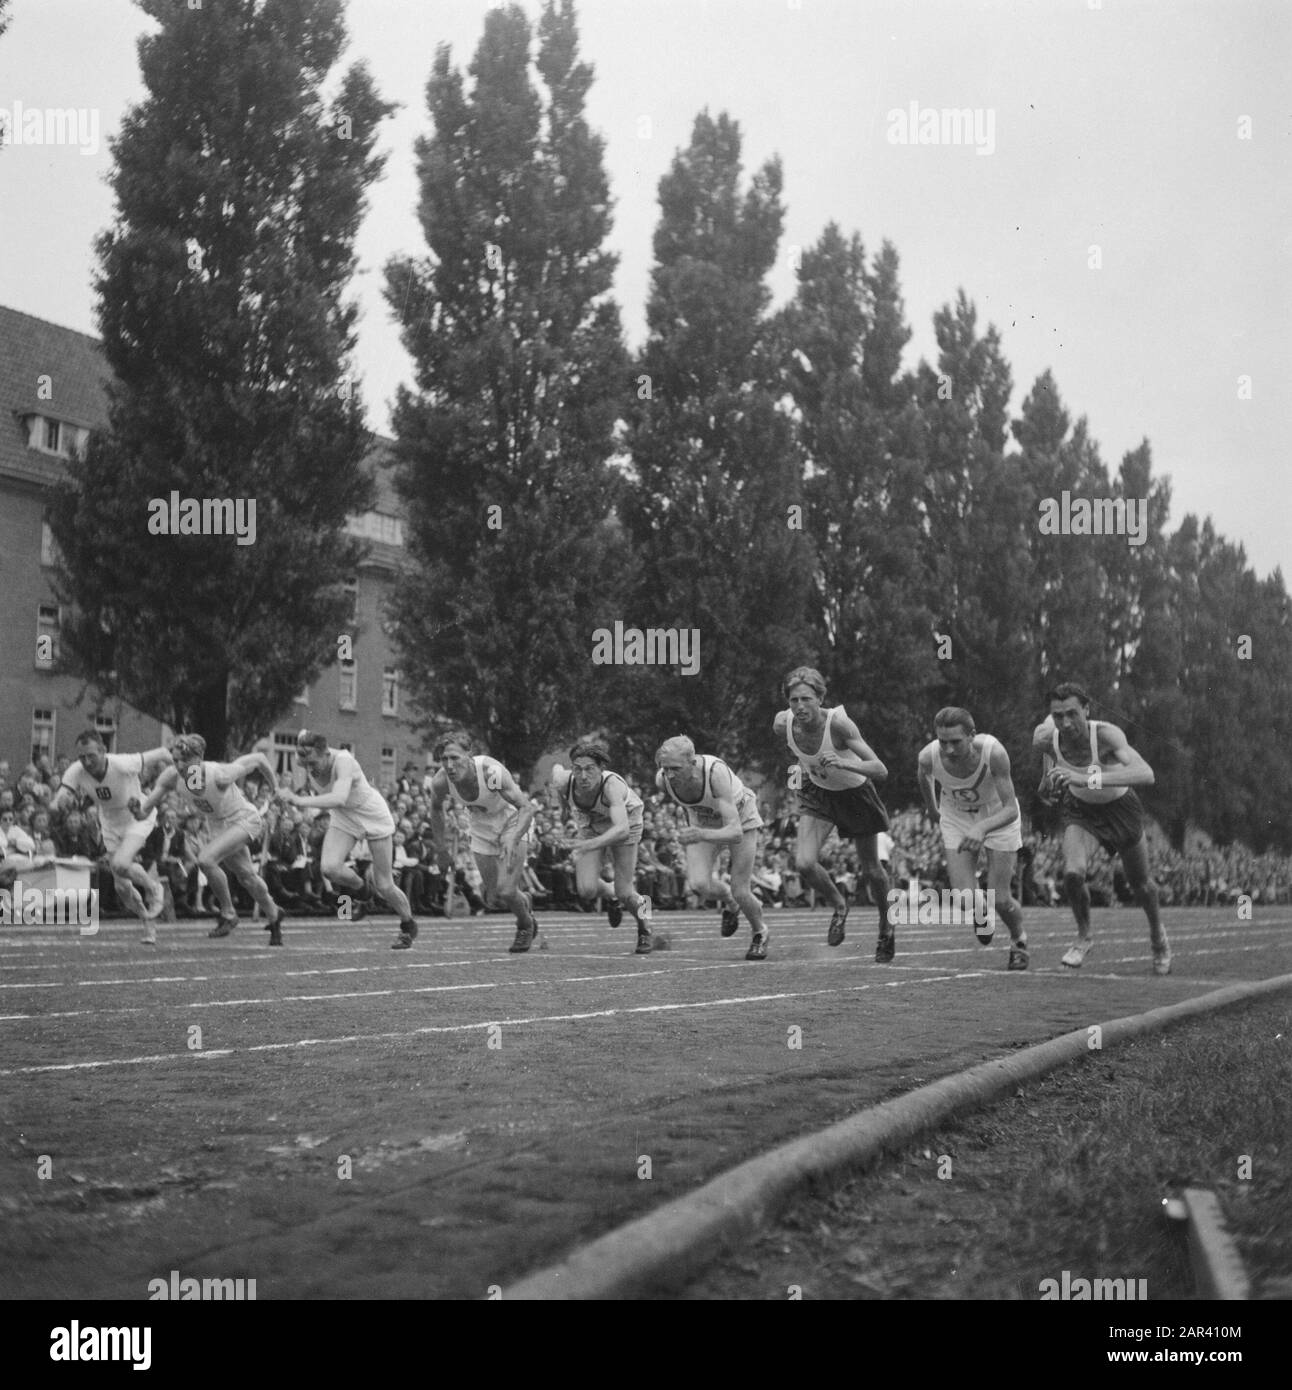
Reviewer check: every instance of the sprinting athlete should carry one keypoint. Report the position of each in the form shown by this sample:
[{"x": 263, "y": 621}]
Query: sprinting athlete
[
  {"x": 721, "y": 812},
  {"x": 111, "y": 782},
  {"x": 609, "y": 816},
  {"x": 837, "y": 793},
  {"x": 499, "y": 815},
  {"x": 233, "y": 823},
  {"x": 967, "y": 788},
  {"x": 357, "y": 812},
  {"x": 1090, "y": 769}
]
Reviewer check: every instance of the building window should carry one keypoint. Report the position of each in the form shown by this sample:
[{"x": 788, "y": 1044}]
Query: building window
[
  {"x": 387, "y": 767},
  {"x": 42, "y": 733},
  {"x": 48, "y": 550},
  {"x": 285, "y": 754},
  {"x": 352, "y": 593},
  {"x": 106, "y": 728},
  {"x": 53, "y": 437},
  {"x": 390, "y": 691},
  {"x": 47, "y": 625},
  {"x": 347, "y": 694}
]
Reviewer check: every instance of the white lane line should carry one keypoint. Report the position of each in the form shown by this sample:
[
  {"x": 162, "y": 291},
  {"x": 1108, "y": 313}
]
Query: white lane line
[{"x": 735, "y": 1001}]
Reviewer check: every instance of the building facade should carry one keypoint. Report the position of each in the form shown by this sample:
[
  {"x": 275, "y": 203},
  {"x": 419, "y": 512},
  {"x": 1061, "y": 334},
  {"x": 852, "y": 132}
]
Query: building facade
[{"x": 52, "y": 396}]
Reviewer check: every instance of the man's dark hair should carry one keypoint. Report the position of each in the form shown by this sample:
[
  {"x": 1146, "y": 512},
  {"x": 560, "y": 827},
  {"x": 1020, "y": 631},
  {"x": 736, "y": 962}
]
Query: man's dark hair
[
  {"x": 458, "y": 736},
  {"x": 1065, "y": 689},
  {"x": 90, "y": 736}
]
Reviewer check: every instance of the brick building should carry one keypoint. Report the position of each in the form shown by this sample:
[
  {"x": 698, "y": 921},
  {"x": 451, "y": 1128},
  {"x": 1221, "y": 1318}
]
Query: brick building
[{"x": 51, "y": 397}]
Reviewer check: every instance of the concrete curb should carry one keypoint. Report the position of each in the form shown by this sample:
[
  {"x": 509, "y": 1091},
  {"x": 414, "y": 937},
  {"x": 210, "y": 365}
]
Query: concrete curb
[{"x": 668, "y": 1246}]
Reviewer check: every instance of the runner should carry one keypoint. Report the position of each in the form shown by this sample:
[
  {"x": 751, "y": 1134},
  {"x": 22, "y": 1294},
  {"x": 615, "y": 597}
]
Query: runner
[
  {"x": 609, "y": 816},
  {"x": 233, "y": 824},
  {"x": 111, "y": 782},
  {"x": 720, "y": 812},
  {"x": 499, "y": 814},
  {"x": 358, "y": 812},
  {"x": 837, "y": 794},
  {"x": 1090, "y": 769},
  {"x": 965, "y": 780}
]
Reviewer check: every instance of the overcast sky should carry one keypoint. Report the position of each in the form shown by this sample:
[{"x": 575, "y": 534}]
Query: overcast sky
[{"x": 1103, "y": 123}]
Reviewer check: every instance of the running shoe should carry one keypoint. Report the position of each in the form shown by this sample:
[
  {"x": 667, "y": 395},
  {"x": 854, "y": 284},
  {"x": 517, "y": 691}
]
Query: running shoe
[
  {"x": 1018, "y": 956},
  {"x": 275, "y": 928},
  {"x": 407, "y": 935},
  {"x": 1162, "y": 959},
  {"x": 615, "y": 912},
  {"x": 525, "y": 934},
  {"x": 757, "y": 947},
  {"x": 984, "y": 931},
  {"x": 1076, "y": 953},
  {"x": 885, "y": 947},
  {"x": 155, "y": 900},
  {"x": 645, "y": 945},
  {"x": 730, "y": 919},
  {"x": 149, "y": 938},
  {"x": 224, "y": 927},
  {"x": 834, "y": 937}
]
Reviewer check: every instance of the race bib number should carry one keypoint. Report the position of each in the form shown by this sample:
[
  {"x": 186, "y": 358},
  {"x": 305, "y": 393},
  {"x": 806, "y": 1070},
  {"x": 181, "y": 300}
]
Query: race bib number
[
  {"x": 202, "y": 804},
  {"x": 103, "y": 793},
  {"x": 705, "y": 818}
]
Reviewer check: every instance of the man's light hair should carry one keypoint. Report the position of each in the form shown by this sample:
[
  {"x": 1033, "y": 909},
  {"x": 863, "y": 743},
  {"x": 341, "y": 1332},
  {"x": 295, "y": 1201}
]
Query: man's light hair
[
  {"x": 806, "y": 675},
  {"x": 679, "y": 746},
  {"x": 188, "y": 747}
]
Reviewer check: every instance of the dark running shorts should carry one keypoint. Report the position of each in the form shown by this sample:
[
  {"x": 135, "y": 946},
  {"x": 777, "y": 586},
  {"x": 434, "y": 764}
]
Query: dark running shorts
[
  {"x": 854, "y": 811},
  {"x": 1117, "y": 825}
]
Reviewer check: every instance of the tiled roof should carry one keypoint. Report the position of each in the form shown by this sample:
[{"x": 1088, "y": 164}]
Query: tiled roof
[{"x": 29, "y": 349}]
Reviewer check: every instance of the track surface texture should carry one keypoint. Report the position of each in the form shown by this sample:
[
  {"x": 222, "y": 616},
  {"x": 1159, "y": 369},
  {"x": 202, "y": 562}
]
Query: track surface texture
[{"x": 357, "y": 1123}]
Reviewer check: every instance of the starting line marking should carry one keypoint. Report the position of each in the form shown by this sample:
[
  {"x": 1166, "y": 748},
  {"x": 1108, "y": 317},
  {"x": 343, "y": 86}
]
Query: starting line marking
[{"x": 431, "y": 1030}]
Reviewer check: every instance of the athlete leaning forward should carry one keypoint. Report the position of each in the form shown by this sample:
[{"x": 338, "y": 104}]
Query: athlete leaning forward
[
  {"x": 499, "y": 815},
  {"x": 233, "y": 824},
  {"x": 110, "y": 781},
  {"x": 608, "y": 814},
  {"x": 1091, "y": 770},
  {"x": 721, "y": 812},
  {"x": 837, "y": 793},
  {"x": 336, "y": 783},
  {"x": 968, "y": 791}
]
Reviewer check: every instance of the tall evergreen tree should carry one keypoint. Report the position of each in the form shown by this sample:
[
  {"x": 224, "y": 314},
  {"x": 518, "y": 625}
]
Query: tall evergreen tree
[
  {"x": 858, "y": 427},
  {"x": 717, "y": 472},
  {"x": 520, "y": 372},
  {"x": 238, "y": 196}
]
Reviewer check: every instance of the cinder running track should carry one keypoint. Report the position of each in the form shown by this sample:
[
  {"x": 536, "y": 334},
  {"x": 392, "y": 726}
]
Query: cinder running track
[{"x": 368, "y": 1124}]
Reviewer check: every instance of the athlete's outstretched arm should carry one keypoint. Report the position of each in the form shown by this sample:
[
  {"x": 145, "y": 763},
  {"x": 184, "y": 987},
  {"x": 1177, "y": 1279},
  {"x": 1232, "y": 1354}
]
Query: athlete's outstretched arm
[
  {"x": 617, "y": 805},
  {"x": 870, "y": 764},
  {"x": 244, "y": 767},
  {"x": 164, "y": 784},
  {"x": 928, "y": 786},
  {"x": 1132, "y": 770}
]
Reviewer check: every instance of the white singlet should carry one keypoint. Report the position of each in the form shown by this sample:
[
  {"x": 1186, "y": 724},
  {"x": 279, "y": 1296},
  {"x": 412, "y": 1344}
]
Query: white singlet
[
  {"x": 365, "y": 814},
  {"x": 112, "y": 796},
  {"x": 966, "y": 801},
  {"x": 490, "y": 814},
  {"x": 838, "y": 777},
  {"x": 1094, "y": 795},
  {"x": 704, "y": 813}
]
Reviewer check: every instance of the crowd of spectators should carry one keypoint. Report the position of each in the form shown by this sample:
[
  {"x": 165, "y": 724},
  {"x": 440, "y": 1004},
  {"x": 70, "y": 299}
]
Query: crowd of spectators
[{"x": 1206, "y": 875}]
